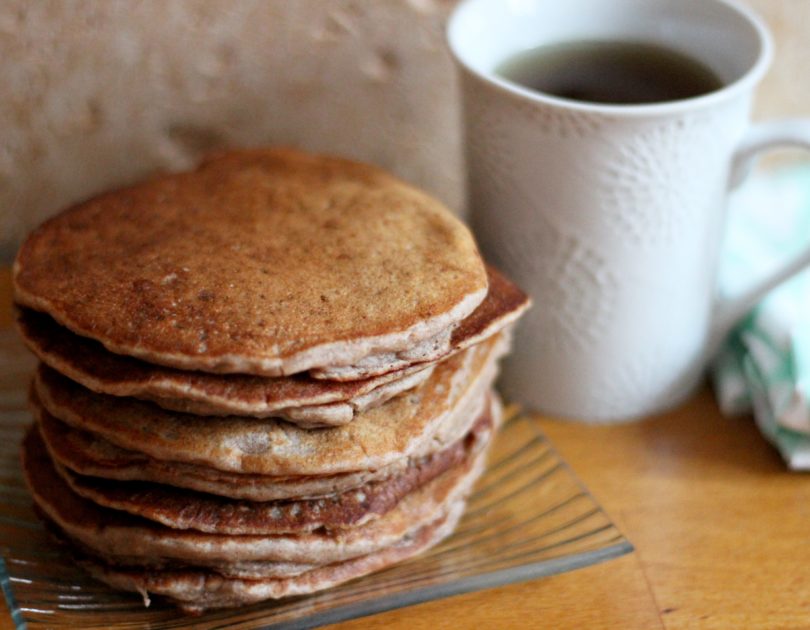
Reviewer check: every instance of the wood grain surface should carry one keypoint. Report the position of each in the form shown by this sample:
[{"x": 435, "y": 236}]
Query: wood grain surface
[{"x": 720, "y": 530}]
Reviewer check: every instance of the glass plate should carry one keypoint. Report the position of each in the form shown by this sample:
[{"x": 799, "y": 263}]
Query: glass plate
[{"x": 528, "y": 517}]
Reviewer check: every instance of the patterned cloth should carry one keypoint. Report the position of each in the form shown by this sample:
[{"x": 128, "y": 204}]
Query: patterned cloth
[{"x": 764, "y": 366}]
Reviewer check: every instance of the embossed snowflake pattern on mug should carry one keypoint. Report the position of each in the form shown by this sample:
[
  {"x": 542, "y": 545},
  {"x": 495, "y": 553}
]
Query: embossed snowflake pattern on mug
[
  {"x": 551, "y": 121},
  {"x": 571, "y": 274},
  {"x": 640, "y": 188}
]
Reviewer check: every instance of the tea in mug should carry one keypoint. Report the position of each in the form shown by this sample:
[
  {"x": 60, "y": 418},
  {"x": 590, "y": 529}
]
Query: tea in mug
[{"x": 610, "y": 72}]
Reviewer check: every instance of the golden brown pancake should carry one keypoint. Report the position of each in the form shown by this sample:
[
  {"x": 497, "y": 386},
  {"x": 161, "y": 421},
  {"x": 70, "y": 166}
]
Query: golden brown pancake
[
  {"x": 240, "y": 570},
  {"x": 439, "y": 412},
  {"x": 181, "y": 509},
  {"x": 89, "y": 454},
  {"x": 259, "y": 261},
  {"x": 300, "y": 398},
  {"x": 197, "y": 590},
  {"x": 504, "y": 304},
  {"x": 131, "y": 539}
]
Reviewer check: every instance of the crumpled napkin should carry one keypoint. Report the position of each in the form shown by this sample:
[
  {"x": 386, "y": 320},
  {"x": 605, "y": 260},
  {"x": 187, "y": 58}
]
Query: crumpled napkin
[{"x": 764, "y": 365}]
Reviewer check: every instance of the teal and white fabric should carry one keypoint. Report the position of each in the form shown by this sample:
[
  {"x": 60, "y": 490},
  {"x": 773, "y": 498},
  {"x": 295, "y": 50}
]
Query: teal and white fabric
[{"x": 764, "y": 366}]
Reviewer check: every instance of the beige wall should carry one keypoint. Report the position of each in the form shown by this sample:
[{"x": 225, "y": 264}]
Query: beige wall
[
  {"x": 786, "y": 89},
  {"x": 97, "y": 93}
]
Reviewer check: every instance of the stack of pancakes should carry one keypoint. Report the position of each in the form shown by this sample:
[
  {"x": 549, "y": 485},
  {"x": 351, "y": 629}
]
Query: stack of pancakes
[{"x": 260, "y": 378}]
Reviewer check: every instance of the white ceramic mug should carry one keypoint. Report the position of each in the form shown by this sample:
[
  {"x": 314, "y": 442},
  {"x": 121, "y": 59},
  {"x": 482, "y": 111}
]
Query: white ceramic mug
[{"x": 612, "y": 216}]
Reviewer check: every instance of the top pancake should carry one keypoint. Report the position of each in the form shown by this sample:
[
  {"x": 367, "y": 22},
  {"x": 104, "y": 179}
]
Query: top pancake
[
  {"x": 259, "y": 261},
  {"x": 325, "y": 402}
]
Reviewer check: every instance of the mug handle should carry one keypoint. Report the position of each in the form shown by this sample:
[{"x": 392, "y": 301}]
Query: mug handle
[{"x": 760, "y": 137}]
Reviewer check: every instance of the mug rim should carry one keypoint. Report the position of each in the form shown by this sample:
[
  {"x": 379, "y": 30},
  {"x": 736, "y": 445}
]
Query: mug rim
[{"x": 746, "y": 81}]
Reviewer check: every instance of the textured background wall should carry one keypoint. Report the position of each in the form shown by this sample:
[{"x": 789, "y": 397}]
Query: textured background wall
[
  {"x": 97, "y": 93},
  {"x": 786, "y": 89}
]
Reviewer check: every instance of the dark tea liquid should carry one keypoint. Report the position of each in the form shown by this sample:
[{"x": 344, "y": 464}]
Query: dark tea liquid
[{"x": 611, "y": 72}]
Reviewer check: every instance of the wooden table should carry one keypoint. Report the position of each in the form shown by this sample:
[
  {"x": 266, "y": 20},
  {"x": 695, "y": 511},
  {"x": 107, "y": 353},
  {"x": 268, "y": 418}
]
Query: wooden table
[{"x": 721, "y": 532}]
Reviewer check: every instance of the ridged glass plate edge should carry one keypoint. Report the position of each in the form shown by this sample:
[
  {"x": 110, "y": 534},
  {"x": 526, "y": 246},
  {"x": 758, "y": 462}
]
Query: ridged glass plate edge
[{"x": 472, "y": 584}]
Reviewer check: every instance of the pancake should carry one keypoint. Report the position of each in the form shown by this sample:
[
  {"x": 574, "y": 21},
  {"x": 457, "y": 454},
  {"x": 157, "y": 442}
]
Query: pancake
[
  {"x": 197, "y": 590},
  {"x": 439, "y": 412},
  {"x": 88, "y": 454},
  {"x": 265, "y": 262},
  {"x": 504, "y": 305},
  {"x": 181, "y": 509},
  {"x": 321, "y": 402},
  {"x": 240, "y": 570},
  {"x": 300, "y": 398},
  {"x": 111, "y": 533}
]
